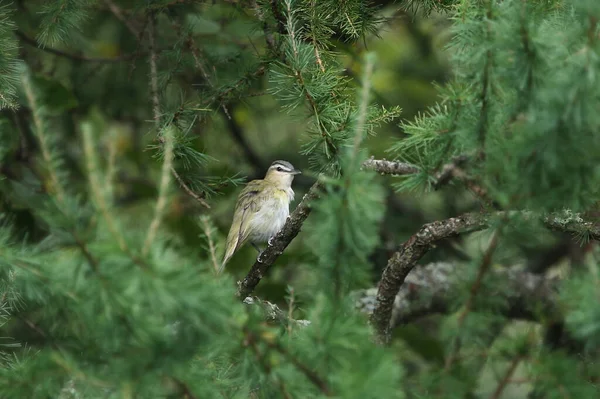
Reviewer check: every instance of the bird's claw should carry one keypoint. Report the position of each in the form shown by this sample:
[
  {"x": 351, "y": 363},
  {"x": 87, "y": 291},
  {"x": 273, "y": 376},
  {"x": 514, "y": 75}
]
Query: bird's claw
[{"x": 270, "y": 242}]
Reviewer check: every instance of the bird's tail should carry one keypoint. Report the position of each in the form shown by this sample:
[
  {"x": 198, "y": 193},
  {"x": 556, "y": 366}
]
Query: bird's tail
[
  {"x": 223, "y": 263},
  {"x": 229, "y": 251},
  {"x": 235, "y": 239}
]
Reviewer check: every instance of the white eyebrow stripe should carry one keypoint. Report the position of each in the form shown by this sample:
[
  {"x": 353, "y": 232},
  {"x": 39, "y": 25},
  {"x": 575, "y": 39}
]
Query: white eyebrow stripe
[{"x": 278, "y": 165}]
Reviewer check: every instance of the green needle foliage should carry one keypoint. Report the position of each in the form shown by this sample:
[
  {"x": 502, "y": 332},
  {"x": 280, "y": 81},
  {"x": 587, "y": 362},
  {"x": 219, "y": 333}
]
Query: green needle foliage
[
  {"x": 518, "y": 104},
  {"x": 127, "y": 127},
  {"x": 8, "y": 59}
]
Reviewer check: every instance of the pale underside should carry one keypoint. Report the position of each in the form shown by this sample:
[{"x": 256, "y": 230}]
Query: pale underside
[{"x": 259, "y": 215}]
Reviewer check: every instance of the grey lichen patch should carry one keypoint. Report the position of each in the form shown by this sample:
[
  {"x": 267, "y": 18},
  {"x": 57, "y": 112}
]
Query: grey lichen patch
[{"x": 566, "y": 217}]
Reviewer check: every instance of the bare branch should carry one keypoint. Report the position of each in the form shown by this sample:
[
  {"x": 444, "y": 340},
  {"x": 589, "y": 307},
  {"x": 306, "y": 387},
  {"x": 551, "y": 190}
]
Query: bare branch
[{"x": 290, "y": 230}]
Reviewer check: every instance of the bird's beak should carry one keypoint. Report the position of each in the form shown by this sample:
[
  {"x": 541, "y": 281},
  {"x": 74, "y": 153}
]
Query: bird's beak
[{"x": 296, "y": 172}]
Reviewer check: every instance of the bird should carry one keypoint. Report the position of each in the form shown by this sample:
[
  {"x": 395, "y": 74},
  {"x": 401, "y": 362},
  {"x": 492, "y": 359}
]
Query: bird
[{"x": 261, "y": 210}]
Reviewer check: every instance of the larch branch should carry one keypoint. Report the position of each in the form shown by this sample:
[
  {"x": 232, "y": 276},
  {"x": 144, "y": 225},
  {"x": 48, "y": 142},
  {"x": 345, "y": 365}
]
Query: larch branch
[
  {"x": 191, "y": 193},
  {"x": 403, "y": 261},
  {"x": 389, "y": 167},
  {"x": 168, "y": 141},
  {"x": 406, "y": 258},
  {"x": 282, "y": 239},
  {"x": 429, "y": 289}
]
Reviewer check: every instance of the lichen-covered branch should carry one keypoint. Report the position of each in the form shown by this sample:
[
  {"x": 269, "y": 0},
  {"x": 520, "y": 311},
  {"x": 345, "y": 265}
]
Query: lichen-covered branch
[
  {"x": 569, "y": 222},
  {"x": 389, "y": 167},
  {"x": 446, "y": 173},
  {"x": 403, "y": 261},
  {"x": 429, "y": 289},
  {"x": 290, "y": 230},
  {"x": 274, "y": 312}
]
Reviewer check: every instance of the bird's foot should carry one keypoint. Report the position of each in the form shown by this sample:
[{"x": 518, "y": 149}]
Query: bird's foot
[{"x": 270, "y": 242}]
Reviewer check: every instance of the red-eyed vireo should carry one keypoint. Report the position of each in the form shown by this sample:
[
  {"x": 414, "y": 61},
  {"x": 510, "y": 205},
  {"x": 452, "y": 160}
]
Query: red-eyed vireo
[{"x": 262, "y": 209}]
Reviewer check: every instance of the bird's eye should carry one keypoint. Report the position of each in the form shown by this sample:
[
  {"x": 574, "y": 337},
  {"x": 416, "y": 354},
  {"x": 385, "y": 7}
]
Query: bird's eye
[{"x": 279, "y": 169}]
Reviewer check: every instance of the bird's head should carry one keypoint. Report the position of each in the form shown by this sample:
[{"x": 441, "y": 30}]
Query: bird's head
[{"x": 282, "y": 173}]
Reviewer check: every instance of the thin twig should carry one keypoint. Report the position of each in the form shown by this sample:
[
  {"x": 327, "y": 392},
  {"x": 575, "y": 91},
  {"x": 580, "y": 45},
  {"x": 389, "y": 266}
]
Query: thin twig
[
  {"x": 42, "y": 137},
  {"x": 168, "y": 155},
  {"x": 211, "y": 246},
  {"x": 100, "y": 197},
  {"x": 189, "y": 190},
  {"x": 183, "y": 388},
  {"x": 282, "y": 239},
  {"x": 507, "y": 376},
  {"x": 308, "y": 373},
  {"x": 260, "y": 357},
  {"x": 483, "y": 269},
  {"x": 364, "y": 104},
  {"x": 196, "y": 53},
  {"x": 290, "y": 311},
  {"x": 76, "y": 57},
  {"x": 111, "y": 167},
  {"x": 447, "y": 171},
  {"x": 191, "y": 44},
  {"x": 236, "y": 131},
  {"x": 265, "y": 26},
  {"x": 273, "y": 312},
  {"x": 153, "y": 71},
  {"x": 485, "y": 86},
  {"x": 93, "y": 262},
  {"x": 118, "y": 13}
]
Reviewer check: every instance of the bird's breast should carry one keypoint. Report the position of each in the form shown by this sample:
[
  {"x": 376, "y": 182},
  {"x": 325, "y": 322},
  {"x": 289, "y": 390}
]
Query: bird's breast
[{"x": 270, "y": 217}]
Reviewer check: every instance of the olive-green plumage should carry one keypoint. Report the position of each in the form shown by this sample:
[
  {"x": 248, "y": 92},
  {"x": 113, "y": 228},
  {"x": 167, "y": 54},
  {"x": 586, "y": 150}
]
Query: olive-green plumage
[{"x": 261, "y": 209}]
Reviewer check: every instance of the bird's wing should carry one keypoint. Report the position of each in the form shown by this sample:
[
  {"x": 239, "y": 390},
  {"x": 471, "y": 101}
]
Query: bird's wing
[{"x": 247, "y": 205}]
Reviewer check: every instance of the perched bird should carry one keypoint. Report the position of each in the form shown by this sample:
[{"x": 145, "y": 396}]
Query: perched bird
[{"x": 262, "y": 209}]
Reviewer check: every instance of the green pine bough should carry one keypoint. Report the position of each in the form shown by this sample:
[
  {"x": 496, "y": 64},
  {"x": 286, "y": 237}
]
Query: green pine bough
[{"x": 452, "y": 253}]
